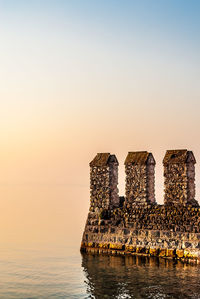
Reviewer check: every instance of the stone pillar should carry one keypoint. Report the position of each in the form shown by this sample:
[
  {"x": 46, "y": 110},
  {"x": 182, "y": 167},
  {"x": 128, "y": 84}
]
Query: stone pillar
[
  {"x": 179, "y": 177},
  {"x": 103, "y": 182},
  {"x": 140, "y": 178}
]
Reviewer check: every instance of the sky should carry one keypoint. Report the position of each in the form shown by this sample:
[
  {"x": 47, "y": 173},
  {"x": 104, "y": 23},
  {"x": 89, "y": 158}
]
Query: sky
[{"x": 81, "y": 77}]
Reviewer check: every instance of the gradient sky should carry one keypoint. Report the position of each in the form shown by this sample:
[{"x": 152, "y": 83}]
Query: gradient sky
[{"x": 81, "y": 77}]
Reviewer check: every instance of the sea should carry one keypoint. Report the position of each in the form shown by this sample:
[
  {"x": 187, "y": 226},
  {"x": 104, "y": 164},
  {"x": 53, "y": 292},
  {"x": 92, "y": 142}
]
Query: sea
[
  {"x": 61, "y": 272},
  {"x": 40, "y": 236}
]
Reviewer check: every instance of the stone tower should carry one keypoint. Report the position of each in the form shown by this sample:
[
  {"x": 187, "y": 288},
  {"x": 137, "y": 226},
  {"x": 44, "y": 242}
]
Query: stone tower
[
  {"x": 140, "y": 178},
  {"x": 179, "y": 176},
  {"x": 103, "y": 182}
]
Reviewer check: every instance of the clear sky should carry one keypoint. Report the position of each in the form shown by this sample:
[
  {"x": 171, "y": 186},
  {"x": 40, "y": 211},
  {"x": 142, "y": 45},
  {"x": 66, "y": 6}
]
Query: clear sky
[{"x": 80, "y": 77}]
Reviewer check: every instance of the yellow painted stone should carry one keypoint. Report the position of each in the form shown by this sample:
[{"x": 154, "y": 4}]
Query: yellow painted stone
[
  {"x": 180, "y": 253},
  {"x": 104, "y": 245},
  {"x": 116, "y": 246},
  {"x": 189, "y": 254},
  {"x": 130, "y": 248},
  {"x": 153, "y": 251},
  {"x": 170, "y": 253},
  {"x": 138, "y": 250},
  {"x": 162, "y": 252},
  {"x": 90, "y": 244},
  {"x": 147, "y": 250}
]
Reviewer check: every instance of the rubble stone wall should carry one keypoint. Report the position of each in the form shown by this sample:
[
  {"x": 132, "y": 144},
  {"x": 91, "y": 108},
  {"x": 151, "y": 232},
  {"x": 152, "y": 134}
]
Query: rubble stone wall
[
  {"x": 151, "y": 183},
  {"x": 191, "y": 182},
  {"x": 140, "y": 181},
  {"x": 179, "y": 184},
  {"x": 136, "y": 184},
  {"x": 164, "y": 244},
  {"x": 99, "y": 188},
  {"x": 175, "y": 183},
  {"x": 113, "y": 183},
  {"x": 103, "y": 187},
  {"x": 136, "y": 224},
  {"x": 168, "y": 231}
]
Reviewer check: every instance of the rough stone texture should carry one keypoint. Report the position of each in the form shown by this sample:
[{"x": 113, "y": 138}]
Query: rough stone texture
[
  {"x": 165, "y": 231},
  {"x": 103, "y": 182},
  {"x": 179, "y": 174},
  {"x": 140, "y": 178},
  {"x": 136, "y": 224}
]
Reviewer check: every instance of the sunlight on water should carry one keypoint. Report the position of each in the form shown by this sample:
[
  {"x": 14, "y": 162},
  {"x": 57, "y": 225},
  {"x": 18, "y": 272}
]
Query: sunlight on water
[
  {"x": 61, "y": 272},
  {"x": 41, "y": 232},
  {"x": 41, "y": 273},
  {"x": 134, "y": 277}
]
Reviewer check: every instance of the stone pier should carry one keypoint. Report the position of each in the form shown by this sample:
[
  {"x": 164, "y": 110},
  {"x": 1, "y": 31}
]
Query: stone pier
[{"x": 138, "y": 225}]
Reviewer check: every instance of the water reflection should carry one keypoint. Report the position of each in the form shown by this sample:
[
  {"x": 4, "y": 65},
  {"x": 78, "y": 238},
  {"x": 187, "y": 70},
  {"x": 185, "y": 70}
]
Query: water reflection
[{"x": 139, "y": 277}]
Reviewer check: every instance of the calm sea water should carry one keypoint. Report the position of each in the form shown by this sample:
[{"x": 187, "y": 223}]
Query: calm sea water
[
  {"x": 65, "y": 273},
  {"x": 41, "y": 228}
]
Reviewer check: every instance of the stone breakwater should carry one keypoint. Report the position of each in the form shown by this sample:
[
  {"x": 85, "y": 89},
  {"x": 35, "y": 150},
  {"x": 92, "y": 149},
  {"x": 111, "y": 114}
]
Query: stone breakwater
[
  {"x": 136, "y": 224},
  {"x": 153, "y": 230}
]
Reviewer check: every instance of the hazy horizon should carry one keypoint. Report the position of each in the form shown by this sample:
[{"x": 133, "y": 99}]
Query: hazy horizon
[{"x": 83, "y": 77}]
